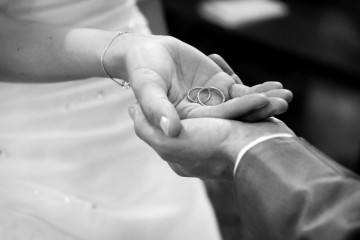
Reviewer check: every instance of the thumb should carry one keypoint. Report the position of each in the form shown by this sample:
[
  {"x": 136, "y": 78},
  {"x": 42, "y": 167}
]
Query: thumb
[{"x": 151, "y": 93}]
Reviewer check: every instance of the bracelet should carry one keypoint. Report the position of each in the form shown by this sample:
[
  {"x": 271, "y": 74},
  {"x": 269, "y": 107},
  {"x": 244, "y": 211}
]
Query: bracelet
[
  {"x": 255, "y": 142},
  {"x": 122, "y": 83}
]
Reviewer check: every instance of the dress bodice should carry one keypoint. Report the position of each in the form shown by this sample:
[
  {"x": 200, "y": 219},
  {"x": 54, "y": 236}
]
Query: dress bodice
[
  {"x": 71, "y": 166},
  {"x": 103, "y": 14}
]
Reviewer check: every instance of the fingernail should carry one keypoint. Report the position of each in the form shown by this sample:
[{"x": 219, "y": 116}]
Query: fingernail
[
  {"x": 164, "y": 124},
  {"x": 131, "y": 111}
]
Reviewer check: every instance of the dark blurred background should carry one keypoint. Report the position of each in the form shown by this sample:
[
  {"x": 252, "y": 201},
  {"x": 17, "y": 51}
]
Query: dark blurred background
[{"x": 311, "y": 46}]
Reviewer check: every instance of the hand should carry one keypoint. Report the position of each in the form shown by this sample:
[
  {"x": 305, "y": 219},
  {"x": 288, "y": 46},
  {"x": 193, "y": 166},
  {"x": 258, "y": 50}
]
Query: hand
[
  {"x": 273, "y": 90},
  {"x": 162, "y": 70},
  {"x": 206, "y": 147}
]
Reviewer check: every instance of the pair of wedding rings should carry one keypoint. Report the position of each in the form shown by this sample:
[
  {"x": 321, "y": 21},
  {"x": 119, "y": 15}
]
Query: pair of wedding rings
[{"x": 204, "y": 95}]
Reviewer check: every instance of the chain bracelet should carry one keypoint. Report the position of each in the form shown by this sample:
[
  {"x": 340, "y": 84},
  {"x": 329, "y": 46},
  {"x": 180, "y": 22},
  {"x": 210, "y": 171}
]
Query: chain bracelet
[{"x": 122, "y": 83}]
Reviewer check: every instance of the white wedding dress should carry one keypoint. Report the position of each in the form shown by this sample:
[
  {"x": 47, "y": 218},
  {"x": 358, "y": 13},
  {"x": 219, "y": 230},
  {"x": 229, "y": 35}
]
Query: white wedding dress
[{"x": 71, "y": 166}]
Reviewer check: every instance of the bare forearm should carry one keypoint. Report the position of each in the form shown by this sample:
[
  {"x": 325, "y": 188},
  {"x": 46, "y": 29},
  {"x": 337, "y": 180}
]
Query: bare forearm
[{"x": 40, "y": 52}]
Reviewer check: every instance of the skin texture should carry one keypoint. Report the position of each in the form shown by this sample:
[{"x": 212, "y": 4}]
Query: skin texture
[
  {"x": 206, "y": 147},
  {"x": 163, "y": 69},
  {"x": 160, "y": 69}
]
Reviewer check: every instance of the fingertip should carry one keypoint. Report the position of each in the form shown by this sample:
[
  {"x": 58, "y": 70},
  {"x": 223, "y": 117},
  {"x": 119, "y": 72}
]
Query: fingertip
[
  {"x": 215, "y": 56},
  {"x": 280, "y": 105},
  {"x": 289, "y": 96},
  {"x": 274, "y": 84},
  {"x": 133, "y": 110},
  {"x": 266, "y": 86}
]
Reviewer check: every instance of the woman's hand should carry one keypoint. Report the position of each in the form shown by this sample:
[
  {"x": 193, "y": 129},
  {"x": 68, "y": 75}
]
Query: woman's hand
[
  {"x": 206, "y": 147},
  {"x": 161, "y": 71}
]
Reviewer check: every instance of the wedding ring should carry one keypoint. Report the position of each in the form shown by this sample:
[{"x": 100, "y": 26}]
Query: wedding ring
[
  {"x": 196, "y": 100},
  {"x": 199, "y": 93},
  {"x": 210, "y": 88}
]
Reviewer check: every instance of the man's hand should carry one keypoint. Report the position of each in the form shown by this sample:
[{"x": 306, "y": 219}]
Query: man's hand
[{"x": 206, "y": 147}]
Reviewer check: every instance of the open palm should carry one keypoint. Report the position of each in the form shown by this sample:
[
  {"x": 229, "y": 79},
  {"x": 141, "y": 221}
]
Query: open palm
[{"x": 162, "y": 70}]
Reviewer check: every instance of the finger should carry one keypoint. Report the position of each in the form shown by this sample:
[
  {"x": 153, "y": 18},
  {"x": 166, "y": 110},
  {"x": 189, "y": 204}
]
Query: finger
[
  {"x": 234, "y": 108},
  {"x": 236, "y": 78},
  {"x": 239, "y": 90},
  {"x": 275, "y": 120},
  {"x": 142, "y": 127},
  {"x": 225, "y": 67},
  {"x": 222, "y": 81},
  {"x": 221, "y": 63},
  {"x": 151, "y": 94},
  {"x": 266, "y": 86},
  {"x": 275, "y": 107},
  {"x": 280, "y": 93}
]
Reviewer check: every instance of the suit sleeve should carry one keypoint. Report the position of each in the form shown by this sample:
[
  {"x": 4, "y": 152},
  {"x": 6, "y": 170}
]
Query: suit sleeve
[{"x": 286, "y": 189}]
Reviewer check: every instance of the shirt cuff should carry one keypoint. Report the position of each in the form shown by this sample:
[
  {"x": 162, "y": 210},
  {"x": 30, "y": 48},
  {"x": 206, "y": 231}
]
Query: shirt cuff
[{"x": 254, "y": 143}]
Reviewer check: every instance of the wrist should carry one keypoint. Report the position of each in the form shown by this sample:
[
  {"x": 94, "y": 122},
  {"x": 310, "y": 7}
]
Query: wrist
[
  {"x": 256, "y": 142},
  {"x": 244, "y": 135},
  {"x": 130, "y": 52},
  {"x": 85, "y": 46},
  {"x": 122, "y": 82},
  {"x": 115, "y": 54}
]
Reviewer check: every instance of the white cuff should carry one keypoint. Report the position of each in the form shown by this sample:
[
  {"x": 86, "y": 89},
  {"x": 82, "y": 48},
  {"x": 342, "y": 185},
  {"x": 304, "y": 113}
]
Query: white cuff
[{"x": 255, "y": 142}]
